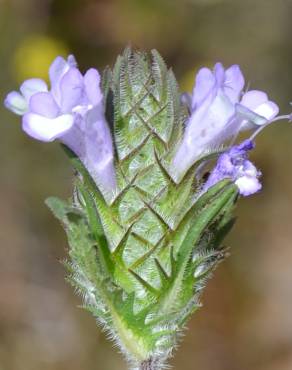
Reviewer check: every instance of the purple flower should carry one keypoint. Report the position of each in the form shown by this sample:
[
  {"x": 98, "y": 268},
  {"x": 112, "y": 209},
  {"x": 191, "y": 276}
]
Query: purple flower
[
  {"x": 73, "y": 112},
  {"x": 234, "y": 165},
  {"x": 219, "y": 110}
]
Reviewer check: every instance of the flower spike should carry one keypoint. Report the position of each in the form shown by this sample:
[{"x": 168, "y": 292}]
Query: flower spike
[{"x": 144, "y": 226}]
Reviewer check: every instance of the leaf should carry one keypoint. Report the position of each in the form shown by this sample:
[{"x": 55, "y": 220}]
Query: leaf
[
  {"x": 206, "y": 216},
  {"x": 148, "y": 288},
  {"x": 61, "y": 209},
  {"x": 97, "y": 229}
]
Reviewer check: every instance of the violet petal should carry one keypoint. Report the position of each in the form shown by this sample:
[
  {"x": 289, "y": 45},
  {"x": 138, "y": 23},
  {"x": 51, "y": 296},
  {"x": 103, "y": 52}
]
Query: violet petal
[
  {"x": 32, "y": 86},
  {"x": 57, "y": 70},
  {"x": 99, "y": 149},
  {"x": 46, "y": 129},
  {"x": 44, "y": 104},
  {"x": 16, "y": 103},
  {"x": 71, "y": 88},
  {"x": 92, "y": 86},
  {"x": 204, "y": 83},
  {"x": 234, "y": 83},
  {"x": 248, "y": 185}
]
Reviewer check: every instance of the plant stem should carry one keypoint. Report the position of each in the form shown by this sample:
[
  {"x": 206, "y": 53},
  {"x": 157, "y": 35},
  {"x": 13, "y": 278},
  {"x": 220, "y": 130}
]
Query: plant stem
[{"x": 150, "y": 364}]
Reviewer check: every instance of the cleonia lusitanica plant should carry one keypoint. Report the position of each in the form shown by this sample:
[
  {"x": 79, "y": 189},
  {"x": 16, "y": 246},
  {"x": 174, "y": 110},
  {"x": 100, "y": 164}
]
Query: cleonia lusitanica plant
[{"x": 158, "y": 175}]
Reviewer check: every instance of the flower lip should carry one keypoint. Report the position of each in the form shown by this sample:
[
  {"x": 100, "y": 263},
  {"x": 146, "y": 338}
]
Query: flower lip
[
  {"x": 71, "y": 95},
  {"x": 44, "y": 104},
  {"x": 205, "y": 82},
  {"x": 92, "y": 86},
  {"x": 248, "y": 185},
  {"x": 73, "y": 112},
  {"x": 233, "y": 164},
  {"x": 219, "y": 111},
  {"x": 257, "y": 108},
  {"x": 32, "y": 86},
  {"x": 71, "y": 90},
  {"x": 16, "y": 103},
  {"x": 230, "y": 80},
  {"x": 219, "y": 74},
  {"x": 46, "y": 129},
  {"x": 233, "y": 83}
]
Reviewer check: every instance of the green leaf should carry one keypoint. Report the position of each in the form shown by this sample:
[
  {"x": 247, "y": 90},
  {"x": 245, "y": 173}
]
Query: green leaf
[
  {"x": 97, "y": 229},
  {"x": 206, "y": 215}
]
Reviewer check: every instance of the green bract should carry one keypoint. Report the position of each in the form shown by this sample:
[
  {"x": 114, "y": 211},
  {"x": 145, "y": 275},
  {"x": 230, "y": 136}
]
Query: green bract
[{"x": 140, "y": 257}]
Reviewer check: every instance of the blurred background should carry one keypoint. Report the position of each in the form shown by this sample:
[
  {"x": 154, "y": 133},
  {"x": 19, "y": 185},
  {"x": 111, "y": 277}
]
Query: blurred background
[{"x": 246, "y": 322}]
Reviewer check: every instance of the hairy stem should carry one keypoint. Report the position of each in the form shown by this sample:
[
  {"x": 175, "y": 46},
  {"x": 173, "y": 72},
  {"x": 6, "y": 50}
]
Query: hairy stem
[{"x": 150, "y": 364}]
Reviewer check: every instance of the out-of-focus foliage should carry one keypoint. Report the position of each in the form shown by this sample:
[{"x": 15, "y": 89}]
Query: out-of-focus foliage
[{"x": 246, "y": 321}]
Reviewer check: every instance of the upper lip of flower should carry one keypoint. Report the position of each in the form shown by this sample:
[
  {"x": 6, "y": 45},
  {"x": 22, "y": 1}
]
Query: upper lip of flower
[
  {"x": 219, "y": 111},
  {"x": 71, "y": 94},
  {"x": 71, "y": 111}
]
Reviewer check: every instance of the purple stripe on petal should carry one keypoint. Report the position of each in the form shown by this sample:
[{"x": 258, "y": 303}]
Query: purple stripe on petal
[
  {"x": 46, "y": 129},
  {"x": 44, "y": 104}
]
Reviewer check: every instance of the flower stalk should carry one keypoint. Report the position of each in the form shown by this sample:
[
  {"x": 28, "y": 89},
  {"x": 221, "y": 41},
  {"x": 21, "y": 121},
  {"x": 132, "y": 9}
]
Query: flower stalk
[{"x": 150, "y": 364}]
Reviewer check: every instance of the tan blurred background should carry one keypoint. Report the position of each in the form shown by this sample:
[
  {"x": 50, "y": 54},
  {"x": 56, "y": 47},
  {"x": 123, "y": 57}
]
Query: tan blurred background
[{"x": 246, "y": 322}]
